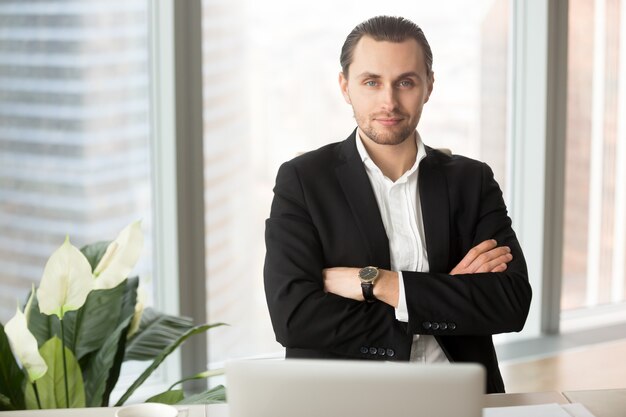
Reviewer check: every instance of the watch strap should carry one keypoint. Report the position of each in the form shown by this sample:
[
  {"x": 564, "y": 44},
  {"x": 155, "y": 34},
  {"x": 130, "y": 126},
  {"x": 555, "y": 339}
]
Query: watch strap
[{"x": 368, "y": 291}]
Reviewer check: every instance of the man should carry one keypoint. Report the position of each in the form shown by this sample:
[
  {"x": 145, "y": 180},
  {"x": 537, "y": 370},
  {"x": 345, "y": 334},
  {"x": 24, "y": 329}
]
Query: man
[{"x": 381, "y": 248}]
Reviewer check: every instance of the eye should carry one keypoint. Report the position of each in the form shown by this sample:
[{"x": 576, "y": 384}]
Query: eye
[
  {"x": 371, "y": 83},
  {"x": 405, "y": 83}
]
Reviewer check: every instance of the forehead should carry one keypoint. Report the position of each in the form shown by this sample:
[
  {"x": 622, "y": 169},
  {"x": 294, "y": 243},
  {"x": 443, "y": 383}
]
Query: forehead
[{"x": 387, "y": 58}]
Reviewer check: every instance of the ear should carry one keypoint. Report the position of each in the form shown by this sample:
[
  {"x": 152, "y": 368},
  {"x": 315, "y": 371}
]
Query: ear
[
  {"x": 431, "y": 82},
  {"x": 343, "y": 84}
]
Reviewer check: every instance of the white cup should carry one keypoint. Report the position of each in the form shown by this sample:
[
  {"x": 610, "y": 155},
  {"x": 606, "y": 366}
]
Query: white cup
[{"x": 147, "y": 410}]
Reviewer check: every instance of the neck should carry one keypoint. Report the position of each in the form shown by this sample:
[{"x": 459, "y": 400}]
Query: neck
[{"x": 393, "y": 160}]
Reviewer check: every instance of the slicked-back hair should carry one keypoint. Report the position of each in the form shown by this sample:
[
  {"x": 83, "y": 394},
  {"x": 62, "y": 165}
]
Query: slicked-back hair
[{"x": 385, "y": 28}]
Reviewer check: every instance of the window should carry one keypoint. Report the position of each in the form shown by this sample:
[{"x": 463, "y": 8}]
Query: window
[
  {"x": 74, "y": 132},
  {"x": 271, "y": 92},
  {"x": 595, "y": 180}
]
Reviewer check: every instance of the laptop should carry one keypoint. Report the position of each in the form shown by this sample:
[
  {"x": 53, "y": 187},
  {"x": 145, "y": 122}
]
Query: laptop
[{"x": 331, "y": 388}]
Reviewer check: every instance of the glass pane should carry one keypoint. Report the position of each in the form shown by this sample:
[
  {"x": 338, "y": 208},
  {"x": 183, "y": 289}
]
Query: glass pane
[
  {"x": 74, "y": 132},
  {"x": 271, "y": 92},
  {"x": 595, "y": 189}
]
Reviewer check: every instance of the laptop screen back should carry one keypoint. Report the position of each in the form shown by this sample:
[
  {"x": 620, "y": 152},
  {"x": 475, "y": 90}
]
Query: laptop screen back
[{"x": 320, "y": 388}]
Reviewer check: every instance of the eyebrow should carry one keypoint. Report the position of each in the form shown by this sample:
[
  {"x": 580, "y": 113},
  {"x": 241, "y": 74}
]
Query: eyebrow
[{"x": 403, "y": 75}]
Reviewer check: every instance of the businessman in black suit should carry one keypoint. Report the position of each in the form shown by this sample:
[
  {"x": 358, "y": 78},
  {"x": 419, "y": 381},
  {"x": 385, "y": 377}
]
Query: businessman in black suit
[{"x": 381, "y": 248}]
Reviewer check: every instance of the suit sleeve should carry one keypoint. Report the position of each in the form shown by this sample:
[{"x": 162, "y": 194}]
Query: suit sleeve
[
  {"x": 474, "y": 304},
  {"x": 303, "y": 315}
]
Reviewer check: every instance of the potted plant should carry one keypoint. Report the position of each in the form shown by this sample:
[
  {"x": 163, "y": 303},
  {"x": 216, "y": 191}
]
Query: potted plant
[{"x": 67, "y": 346}]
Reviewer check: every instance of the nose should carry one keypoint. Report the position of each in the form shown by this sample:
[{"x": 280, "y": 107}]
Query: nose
[{"x": 389, "y": 99}]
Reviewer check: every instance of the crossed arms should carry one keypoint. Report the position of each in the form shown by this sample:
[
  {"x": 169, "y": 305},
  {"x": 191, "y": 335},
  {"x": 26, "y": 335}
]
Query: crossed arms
[
  {"x": 484, "y": 257},
  {"x": 315, "y": 306}
]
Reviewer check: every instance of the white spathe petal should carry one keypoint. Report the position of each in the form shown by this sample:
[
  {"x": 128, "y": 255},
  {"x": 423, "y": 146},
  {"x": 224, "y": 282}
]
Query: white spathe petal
[
  {"x": 24, "y": 346},
  {"x": 139, "y": 307},
  {"x": 134, "y": 323},
  {"x": 120, "y": 257},
  {"x": 29, "y": 303},
  {"x": 105, "y": 261},
  {"x": 66, "y": 281}
]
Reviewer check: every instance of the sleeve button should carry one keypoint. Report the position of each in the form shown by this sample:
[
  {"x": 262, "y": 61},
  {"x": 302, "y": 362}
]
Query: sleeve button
[
  {"x": 451, "y": 326},
  {"x": 427, "y": 325},
  {"x": 443, "y": 326},
  {"x": 435, "y": 326},
  {"x": 373, "y": 350},
  {"x": 381, "y": 351},
  {"x": 364, "y": 350},
  {"x": 390, "y": 353}
]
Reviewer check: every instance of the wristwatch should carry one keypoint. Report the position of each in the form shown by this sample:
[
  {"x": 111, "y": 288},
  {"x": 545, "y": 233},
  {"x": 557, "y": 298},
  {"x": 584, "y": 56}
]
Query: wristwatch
[{"x": 368, "y": 276}]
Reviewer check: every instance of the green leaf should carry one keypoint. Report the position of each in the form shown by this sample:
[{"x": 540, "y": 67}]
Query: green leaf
[
  {"x": 11, "y": 376},
  {"x": 201, "y": 375},
  {"x": 51, "y": 386},
  {"x": 159, "y": 359},
  {"x": 42, "y": 326},
  {"x": 5, "y": 403},
  {"x": 130, "y": 297},
  {"x": 99, "y": 371},
  {"x": 156, "y": 332},
  {"x": 87, "y": 328},
  {"x": 215, "y": 395},
  {"x": 94, "y": 252},
  {"x": 102, "y": 369},
  {"x": 128, "y": 309},
  {"x": 167, "y": 397}
]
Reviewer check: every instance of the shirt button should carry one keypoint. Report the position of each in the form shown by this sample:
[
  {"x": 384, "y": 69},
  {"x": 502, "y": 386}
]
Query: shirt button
[
  {"x": 390, "y": 352},
  {"x": 373, "y": 350},
  {"x": 427, "y": 325},
  {"x": 364, "y": 350},
  {"x": 435, "y": 326},
  {"x": 451, "y": 326},
  {"x": 443, "y": 326}
]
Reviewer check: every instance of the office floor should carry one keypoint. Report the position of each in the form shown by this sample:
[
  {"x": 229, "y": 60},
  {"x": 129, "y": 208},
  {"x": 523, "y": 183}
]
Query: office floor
[{"x": 592, "y": 367}]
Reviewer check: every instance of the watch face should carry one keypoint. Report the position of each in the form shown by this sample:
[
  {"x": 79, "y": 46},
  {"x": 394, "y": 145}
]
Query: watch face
[{"x": 368, "y": 274}]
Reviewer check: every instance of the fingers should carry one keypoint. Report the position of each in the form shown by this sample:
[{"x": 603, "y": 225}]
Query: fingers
[
  {"x": 489, "y": 266},
  {"x": 484, "y": 257},
  {"x": 476, "y": 252},
  {"x": 485, "y": 262},
  {"x": 499, "y": 268}
]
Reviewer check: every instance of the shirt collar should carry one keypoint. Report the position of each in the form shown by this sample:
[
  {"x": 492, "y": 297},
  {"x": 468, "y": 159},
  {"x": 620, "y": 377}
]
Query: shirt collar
[{"x": 369, "y": 163}]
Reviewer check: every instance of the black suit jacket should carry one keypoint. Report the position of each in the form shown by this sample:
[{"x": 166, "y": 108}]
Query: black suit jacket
[{"x": 324, "y": 214}]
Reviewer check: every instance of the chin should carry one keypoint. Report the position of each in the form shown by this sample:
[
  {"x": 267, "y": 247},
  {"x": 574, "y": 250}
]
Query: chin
[
  {"x": 389, "y": 141},
  {"x": 388, "y": 138}
]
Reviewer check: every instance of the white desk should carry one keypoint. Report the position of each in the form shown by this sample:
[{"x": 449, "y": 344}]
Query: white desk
[
  {"x": 192, "y": 411},
  {"x": 602, "y": 403}
]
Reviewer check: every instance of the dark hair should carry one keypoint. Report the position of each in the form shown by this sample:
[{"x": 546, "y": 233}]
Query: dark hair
[{"x": 385, "y": 28}]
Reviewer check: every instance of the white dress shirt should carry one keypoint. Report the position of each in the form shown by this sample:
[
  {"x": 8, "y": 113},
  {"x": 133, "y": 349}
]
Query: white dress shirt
[{"x": 399, "y": 205}]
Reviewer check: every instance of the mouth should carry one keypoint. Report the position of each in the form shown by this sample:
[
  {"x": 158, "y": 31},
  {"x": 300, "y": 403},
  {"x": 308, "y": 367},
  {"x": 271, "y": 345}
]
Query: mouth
[{"x": 388, "y": 121}]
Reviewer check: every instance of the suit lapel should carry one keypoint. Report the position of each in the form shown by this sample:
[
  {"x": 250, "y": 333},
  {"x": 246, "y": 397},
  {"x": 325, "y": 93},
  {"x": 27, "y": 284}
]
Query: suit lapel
[
  {"x": 358, "y": 191},
  {"x": 433, "y": 190}
]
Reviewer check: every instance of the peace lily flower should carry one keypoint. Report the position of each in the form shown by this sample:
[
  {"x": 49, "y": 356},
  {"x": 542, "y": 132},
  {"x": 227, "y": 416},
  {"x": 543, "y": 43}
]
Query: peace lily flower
[
  {"x": 120, "y": 257},
  {"x": 66, "y": 281},
  {"x": 24, "y": 344},
  {"x": 139, "y": 307}
]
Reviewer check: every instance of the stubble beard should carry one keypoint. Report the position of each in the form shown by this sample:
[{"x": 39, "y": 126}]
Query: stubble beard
[{"x": 388, "y": 137}]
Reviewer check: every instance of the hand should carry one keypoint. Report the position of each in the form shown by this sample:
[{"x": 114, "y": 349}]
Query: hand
[
  {"x": 343, "y": 281},
  {"x": 484, "y": 257}
]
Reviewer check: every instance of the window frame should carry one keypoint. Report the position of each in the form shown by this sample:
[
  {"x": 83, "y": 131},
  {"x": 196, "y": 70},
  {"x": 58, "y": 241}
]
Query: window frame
[
  {"x": 536, "y": 166},
  {"x": 165, "y": 207}
]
